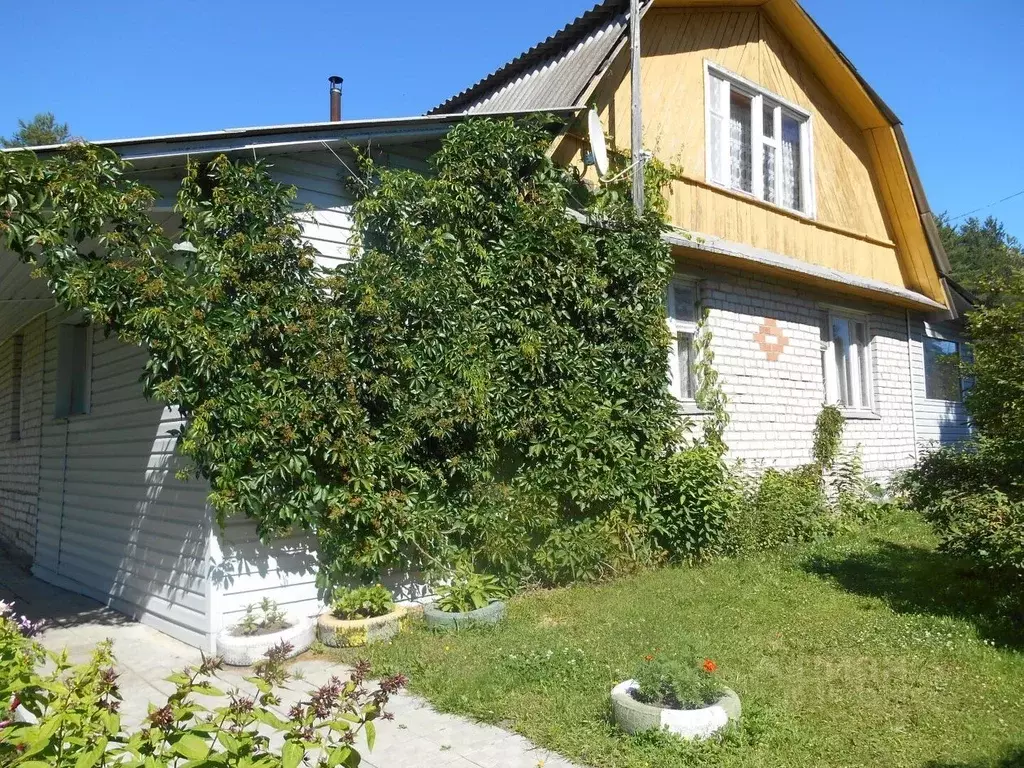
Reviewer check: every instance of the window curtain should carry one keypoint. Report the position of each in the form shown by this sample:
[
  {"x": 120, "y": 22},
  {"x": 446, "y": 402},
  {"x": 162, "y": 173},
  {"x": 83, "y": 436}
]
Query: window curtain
[
  {"x": 791, "y": 171},
  {"x": 740, "y": 149}
]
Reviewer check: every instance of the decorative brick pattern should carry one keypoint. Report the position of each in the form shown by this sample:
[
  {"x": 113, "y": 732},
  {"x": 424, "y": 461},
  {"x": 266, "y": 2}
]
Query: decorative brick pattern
[
  {"x": 766, "y": 337},
  {"x": 772, "y": 340},
  {"x": 21, "y": 391}
]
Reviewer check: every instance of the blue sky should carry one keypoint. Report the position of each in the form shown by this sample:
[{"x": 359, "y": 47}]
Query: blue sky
[{"x": 951, "y": 69}]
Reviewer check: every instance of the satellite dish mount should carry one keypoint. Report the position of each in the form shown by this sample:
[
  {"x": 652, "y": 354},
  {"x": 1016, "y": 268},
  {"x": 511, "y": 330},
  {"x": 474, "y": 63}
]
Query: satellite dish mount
[{"x": 598, "y": 154}]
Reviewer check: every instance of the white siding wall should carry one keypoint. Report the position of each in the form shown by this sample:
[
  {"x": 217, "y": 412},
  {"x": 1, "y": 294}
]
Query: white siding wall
[
  {"x": 114, "y": 522},
  {"x": 938, "y": 422}
]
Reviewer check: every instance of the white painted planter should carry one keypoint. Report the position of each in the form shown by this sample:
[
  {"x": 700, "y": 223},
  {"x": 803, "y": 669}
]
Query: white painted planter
[
  {"x": 635, "y": 717},
  {"x": 246, "y": 650},
  {"x": 352, "y": 633}
]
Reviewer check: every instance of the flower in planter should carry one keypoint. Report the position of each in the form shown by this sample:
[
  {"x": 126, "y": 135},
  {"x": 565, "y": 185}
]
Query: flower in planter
[{"x": 677, "y": 684}]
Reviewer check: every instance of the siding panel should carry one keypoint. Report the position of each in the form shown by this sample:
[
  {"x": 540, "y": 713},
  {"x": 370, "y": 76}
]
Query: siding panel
[{"x": 115, "y": 523}]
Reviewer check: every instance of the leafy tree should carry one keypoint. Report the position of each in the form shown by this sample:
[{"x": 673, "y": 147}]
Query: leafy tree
[
  {"x": 41, "y": 130},
  {"x": 980, "y": 252}
]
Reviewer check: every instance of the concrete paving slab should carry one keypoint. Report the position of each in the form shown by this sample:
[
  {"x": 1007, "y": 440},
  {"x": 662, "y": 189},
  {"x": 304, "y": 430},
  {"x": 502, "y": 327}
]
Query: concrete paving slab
[{"x": 418, "y": 737}]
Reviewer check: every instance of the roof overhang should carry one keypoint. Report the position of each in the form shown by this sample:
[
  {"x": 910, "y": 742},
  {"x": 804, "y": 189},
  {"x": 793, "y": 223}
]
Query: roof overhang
[
  {"x": 277, "y": 139},
  {"x": 715, "y": 250}
]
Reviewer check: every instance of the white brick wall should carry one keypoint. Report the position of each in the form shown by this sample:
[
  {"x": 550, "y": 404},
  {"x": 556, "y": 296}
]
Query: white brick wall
[
  {"x": 775, "y": 397},
  {"x": 20, "y": 438}
]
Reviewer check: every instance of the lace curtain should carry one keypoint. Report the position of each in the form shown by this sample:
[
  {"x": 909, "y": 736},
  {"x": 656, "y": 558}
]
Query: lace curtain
[
  {"x": 791, "y": 171},
  {"x": 740, "y": 151}
]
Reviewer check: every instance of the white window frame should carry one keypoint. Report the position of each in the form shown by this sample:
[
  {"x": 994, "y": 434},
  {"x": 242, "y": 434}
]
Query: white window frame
[
  {"x": 962, "y": 353},
  {"x": 758, "y": 96},
  {"x": 860, "y": 377},
  {"x": 676, "y": 327}
]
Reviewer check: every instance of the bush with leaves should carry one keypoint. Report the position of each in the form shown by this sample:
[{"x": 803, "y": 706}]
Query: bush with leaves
[
  {"x": 698, "y": 504},
  {"x": 365, "y": 602},
  {"x": 783, "y": 507},
  {"x": 73, "y": 717},
  {"x": 972, "y": 493},
  {"x": 467, "y": 591},
  {"x": 484, "y": 357}
]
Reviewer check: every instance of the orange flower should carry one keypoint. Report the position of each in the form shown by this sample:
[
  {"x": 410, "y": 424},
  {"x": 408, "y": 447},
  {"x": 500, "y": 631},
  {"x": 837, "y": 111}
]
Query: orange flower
[
  {"x": 709, "y": 666},
  {"x": 649, "y": 657}
]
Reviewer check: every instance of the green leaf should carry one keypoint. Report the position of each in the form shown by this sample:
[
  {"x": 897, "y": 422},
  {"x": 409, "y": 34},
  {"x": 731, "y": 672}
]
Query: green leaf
[
  {"x": 191, "y": 747},
  {"x": 92, "y": 757},
  {"x": 291, "y": 754},
  {"x": 371, "y": 734}
]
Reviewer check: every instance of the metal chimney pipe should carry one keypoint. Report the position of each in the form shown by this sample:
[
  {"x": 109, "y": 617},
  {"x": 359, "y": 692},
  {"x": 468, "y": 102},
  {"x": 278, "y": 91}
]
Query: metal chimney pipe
[{"x": 335, "y": 82}]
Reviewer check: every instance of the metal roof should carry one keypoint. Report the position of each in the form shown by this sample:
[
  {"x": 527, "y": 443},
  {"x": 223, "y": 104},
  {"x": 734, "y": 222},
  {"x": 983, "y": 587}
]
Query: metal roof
[
  {"x": 555, "y": 72},
  {"x": 379, "y": 131}
]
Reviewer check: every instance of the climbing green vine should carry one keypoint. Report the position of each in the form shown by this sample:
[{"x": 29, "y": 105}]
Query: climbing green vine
[{"x": 486, "y": 382}]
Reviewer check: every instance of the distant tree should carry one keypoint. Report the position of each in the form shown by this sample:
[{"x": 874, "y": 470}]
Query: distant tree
[
  {"x": 42, "y": 129},
  {"x": 981, "y": 253}
]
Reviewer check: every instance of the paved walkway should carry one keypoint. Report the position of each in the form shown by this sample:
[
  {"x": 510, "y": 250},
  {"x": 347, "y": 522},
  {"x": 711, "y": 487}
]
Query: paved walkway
[{"x": 418, "y": 737}]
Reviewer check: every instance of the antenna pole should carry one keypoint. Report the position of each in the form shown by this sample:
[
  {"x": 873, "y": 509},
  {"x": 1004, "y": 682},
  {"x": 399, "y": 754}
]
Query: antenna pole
[{"x": 636, "y": 128}]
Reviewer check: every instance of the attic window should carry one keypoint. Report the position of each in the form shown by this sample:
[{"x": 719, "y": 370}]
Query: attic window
[{"x": 758, "y": 143}]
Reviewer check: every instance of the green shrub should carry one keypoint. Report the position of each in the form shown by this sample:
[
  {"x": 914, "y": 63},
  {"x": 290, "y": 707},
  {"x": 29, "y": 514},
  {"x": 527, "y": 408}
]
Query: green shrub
[
  {"x": 964, "y": 468},
  {"x": 677, "y": 684},
  {"x": 986, "y": 525},
  {"x": 697, "y": 504},
  {"x": 782, "y": 508},
  {"x": 78, "y": 726},
  {"x": 468, "y": 591},
  {"x": 363, "y": 602}
]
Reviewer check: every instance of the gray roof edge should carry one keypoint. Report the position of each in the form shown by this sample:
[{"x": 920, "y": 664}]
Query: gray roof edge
[
  {"x": 562, "y": 40},
  {"x": 296, "y": 133}
]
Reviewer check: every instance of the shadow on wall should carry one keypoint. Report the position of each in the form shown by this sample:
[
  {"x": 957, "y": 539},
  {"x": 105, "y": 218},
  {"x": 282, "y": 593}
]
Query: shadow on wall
[
  {"x": 161, "y": 527},
  {"x": 916, "y": 580},
  {"x": 244, "y": 570}
]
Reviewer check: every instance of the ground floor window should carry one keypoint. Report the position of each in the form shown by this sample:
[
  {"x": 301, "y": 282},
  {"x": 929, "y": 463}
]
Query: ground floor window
[
  {"x": 682, "y": 328},
  {"x": 847, "y": 361},
  {"x": 74, "y": 370},
  {"x": 942, "y": 377}
]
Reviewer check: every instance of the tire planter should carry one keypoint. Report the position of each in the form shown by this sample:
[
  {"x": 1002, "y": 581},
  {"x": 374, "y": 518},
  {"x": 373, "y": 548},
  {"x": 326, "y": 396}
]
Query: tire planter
[
  {"x": 633, "y": 716},
  {"x": 352, "y": 633},
  {"x": 438, "y": 619},
  {"x": 246, "y": 650}
]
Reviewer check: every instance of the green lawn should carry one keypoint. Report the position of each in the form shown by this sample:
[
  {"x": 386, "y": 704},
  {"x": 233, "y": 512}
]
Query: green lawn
[{"x": 871, "y": 650}]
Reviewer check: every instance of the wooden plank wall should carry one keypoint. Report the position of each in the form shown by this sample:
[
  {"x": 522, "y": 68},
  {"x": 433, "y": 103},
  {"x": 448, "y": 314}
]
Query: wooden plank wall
[{"x": 852, "y": 231}]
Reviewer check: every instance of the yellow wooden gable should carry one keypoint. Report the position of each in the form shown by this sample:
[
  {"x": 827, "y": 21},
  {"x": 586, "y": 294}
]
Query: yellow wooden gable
[{"x": 871, "y": 220}]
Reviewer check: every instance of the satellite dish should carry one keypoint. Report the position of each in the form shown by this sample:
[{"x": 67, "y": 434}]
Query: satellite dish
[{"x": 598, "y": 146}]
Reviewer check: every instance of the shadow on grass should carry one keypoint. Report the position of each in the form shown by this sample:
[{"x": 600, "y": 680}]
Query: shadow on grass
[
  {"x": 917, "y": 580},
  {"x": 1014, "y": 758}
]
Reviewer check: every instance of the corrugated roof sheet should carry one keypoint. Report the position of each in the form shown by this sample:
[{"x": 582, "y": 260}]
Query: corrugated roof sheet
[{"x": 553, "y": 73}]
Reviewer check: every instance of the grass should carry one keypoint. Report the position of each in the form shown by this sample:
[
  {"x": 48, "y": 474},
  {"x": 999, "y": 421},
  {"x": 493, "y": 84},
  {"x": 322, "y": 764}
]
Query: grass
[{"x": 870, "y": 650}]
